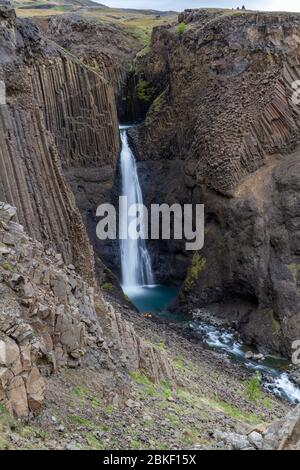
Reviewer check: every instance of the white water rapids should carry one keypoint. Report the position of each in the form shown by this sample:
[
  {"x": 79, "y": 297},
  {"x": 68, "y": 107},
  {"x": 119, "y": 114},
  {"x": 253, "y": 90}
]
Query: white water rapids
[
  {"x": 137, "y": 278},
  {"x": 276, "y": 381},
  {"x": 135, "y": 259}
]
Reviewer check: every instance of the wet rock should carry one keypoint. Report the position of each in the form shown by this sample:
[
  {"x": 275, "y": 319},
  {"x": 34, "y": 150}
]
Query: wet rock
[{"x": 249, "y": 355}]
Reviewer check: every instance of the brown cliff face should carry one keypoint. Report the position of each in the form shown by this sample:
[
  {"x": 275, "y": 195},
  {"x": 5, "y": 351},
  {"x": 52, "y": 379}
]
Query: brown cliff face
[
  {"x": 106, "y": 48},
  {"x": 51, "y": 318},
  {"x": 224, "y": 128},
  {"x": 83, "y": 117},
  {"x": 58, "y": 114},
  {"x": 225, "y": 86}
]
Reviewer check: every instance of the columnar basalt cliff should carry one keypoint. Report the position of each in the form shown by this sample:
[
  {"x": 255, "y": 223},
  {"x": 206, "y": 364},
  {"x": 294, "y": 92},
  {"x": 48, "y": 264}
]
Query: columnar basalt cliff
[
  {"x": 60, "y": 121},
  {"x": 106, "y": 48},
  {"x": 89, "y": 144},
  {"x": 58, "y": 115},
  {"x": 225, "y": 129},
  {"x": 51, "y": 318}
]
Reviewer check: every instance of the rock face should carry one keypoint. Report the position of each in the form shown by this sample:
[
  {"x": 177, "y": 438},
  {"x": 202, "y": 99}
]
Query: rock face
[
  {"x": 50, "y": 317},
  {"x": 106, "y": 48},
  {"x": 224, "y": 131},
  {"x": 59, "y": 115},
  {"x": 59, "y": 118},
  {"x": 89, "y": 143}
]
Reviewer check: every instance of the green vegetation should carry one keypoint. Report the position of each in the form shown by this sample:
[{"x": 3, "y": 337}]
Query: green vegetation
[
  {"x": 144, "y": 91},
  {"x": 275, "y": 322},
  {"x": 181, "y": 28},
  {"x": 253, "y": 388},
  {"x": 75, "y": 419},
  {"x": 80, "y": 392},
  {"x": 197, "y": 265},
  {"x": 108, "y": 286},
  {"x": 295, "y": 270},
  {"x": 93, "y": 441},
  {"x": 95, "y": 402},
  {"x": 6, "y": 266}
]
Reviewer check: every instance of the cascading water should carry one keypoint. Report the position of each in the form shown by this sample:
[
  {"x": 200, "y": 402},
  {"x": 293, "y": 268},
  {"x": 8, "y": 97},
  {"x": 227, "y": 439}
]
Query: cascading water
[{"x": 135, "y": 259}]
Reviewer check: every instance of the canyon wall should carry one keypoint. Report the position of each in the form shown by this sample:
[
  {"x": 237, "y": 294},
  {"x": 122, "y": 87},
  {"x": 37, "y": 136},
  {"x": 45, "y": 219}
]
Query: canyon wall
[
  {"x": 86, "y": 132},
  {"x": 223, "y": 130},
  {"x": 51, "y": 319},
  {"x": 58, "y": 116},
  {"x": 60, "y": 124}
]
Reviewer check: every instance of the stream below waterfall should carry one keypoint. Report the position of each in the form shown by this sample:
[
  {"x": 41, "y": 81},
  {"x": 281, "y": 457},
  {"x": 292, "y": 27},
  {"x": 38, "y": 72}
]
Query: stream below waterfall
[
  {"x": 138, "y": 283},
  {"x": 274, "y": 373}
]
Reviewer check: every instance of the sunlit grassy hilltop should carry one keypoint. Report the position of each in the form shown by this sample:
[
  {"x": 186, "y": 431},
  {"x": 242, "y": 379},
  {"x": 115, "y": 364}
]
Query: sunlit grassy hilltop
[{"x": 138, "y": 23}]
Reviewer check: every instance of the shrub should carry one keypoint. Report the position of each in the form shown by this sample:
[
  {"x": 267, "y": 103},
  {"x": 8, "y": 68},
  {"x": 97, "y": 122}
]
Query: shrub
[
  {"x": 253, "y": 388},
  {"x": 144, "y": 91},
  {"x": 197, "y": 265},
  {"x": 107, "y": 286},
  {"x": 181, "y": 28}
]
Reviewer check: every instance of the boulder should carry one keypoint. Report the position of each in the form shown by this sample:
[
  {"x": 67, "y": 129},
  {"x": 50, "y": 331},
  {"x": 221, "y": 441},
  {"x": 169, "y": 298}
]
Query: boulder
[{"x": 35, "y": 386}]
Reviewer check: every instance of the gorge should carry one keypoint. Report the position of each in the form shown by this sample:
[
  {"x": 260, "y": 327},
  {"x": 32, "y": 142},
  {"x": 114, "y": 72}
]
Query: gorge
[{"x": 101, "y": 340}]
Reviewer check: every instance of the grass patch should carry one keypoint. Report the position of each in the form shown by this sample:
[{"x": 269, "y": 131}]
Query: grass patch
[
  {"x": 178, "y": 364},
  {"x": 162, "y": 390},
  {"x": 108, "y": 286},
  {"x": 181, "y": 28},
  {"x": 93, "y": 442},
  {"x": 80, "y": 392},
  {"x": 161, "y": 346},
  {"x": 253, "y": 390},
  {"x": 95, "y": 402},
  {"x": 6, "y": 266},
  {"x": 75, "y": 419},
  {"x": 197, "y": 266},
  {"x": 144, "y": 91},
  {"x": 205, "y": 404}
]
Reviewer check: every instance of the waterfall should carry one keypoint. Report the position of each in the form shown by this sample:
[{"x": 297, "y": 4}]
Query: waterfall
[{"x": 135, "y": 258}]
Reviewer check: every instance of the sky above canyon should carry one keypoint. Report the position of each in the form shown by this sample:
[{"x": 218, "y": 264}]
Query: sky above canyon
[{"x": 179, "y": 5}]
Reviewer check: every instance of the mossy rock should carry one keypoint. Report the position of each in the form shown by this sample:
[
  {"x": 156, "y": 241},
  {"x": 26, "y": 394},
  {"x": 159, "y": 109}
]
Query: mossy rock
[
  {"x": 198, "y": 264},
  {"x": 144, "y": 91},
  {"x": 108, "y": 286}
]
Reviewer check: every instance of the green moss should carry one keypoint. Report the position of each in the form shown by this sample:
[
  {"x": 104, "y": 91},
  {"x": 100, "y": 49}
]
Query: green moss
[
  {"x": 197, "y": 266},
  {"x": 143, "y": 52},
  {"x": 161, "y": 346},
  {"x": 5, "y": 417},
  {"x": 96, "y": 403},
  {"x": 137, "y": 445},
  {"x": 80, "y": 392},
  {"x": 253, "y": 388},
  {"x": 75, "y": 419},
  {"x": 144, "y": 91},
  {"x": 161, "y": 390},
  {"x": 140, "y": 378},
  {"x": 107, "y": 286},
  {"x": 6, "y": 266},
  {"x": 275, "y": 323},
  {"x": 146, "y": 387},
  {"x": 181, "y": 28},
  {"x": 295, "y": 270},
  {"x": 179, "y": 364},
  {"x": 205, "y": 404},
  {"x": 93, "y": 442}
]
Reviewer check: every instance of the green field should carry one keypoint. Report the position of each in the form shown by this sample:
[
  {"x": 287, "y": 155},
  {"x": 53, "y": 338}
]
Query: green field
[{"x": 138, "y": 23}]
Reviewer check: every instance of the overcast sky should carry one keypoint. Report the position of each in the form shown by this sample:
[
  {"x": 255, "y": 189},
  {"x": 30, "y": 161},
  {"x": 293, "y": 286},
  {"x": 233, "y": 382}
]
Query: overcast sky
[{"x": 179, "y": 5}]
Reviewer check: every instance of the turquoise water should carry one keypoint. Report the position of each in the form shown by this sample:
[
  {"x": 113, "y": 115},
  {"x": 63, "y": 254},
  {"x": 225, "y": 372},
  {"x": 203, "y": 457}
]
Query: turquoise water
[
  {"x": 151, "y": 299},
  {"x": 274, "y": 371}
]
